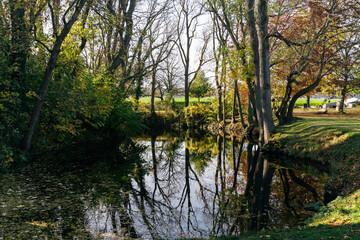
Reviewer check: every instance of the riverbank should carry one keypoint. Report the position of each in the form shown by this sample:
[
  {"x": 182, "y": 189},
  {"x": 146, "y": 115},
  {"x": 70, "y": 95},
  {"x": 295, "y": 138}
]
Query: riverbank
[
  {"x": 339, "y": 220},
  {"x": 334, "y": 140}
]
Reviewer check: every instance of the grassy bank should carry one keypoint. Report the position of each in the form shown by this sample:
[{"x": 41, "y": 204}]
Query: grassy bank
[
  {"x": 331, "y": 138},
  {"x": 339, "y": 220}
]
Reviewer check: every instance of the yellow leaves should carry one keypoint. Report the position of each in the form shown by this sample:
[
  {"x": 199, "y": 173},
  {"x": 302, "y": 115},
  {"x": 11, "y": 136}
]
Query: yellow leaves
[
  {"x": 31, "y": 94},
  {"x": 70, "y": 128},
  {"x": 8, "y": 96},
  {"x": 41, "y": 224},
  {"x": 111, "y": 235}
]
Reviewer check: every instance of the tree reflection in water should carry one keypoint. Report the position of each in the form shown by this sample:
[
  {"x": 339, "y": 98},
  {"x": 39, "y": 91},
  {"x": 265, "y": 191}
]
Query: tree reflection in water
[{"x": 190, "y": 186}]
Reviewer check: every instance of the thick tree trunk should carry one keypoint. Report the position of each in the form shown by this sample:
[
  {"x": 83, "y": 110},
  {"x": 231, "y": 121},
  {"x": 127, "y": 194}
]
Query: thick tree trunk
[
  {"x": 264, "y": 53},
  {"x": 120, "y": 58},
  {"x": 308, "y": 101},
  {"x": 255, "y": 54},
  {"x": 281, "y": 113},
  {"x": 297, "y": 95},
  {"x": 343, "y": 95},
  {"x": 47, "y": 76}
]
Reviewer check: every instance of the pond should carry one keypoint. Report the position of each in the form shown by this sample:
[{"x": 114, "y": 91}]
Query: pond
[{"x": 169, "y": 186}]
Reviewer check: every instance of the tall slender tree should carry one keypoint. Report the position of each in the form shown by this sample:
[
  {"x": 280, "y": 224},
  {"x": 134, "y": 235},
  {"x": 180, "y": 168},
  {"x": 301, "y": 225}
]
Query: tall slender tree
[{"x": 76, "y": 6}]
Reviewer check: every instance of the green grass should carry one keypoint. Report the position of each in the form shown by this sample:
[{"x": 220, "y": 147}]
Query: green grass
[
  {"x": 335, "y": 140},
  {"x": 341, "y": 211},
  {"x": 178, "y": 100},
  {"x": 339, "y": 220},
  {"x": 313, "y": 102},
  {"x": 332, "y": 140}
]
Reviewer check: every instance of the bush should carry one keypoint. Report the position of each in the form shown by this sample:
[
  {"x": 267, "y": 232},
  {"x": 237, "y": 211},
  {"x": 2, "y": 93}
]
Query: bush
[{"x": 199, "y": 114}]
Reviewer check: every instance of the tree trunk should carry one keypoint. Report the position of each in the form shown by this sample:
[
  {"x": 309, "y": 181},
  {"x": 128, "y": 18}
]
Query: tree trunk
[
  {"x": 239, "y": 105},
  {"x": 233, "y": 106},
  {"x": 255, "y": 55},
  {"x": 47, "y": 76},
  {"x": 343, "y": 95},
  {"x": 224, "y": 108},
  {"x": 187, "y": 86},
  {"x": 152, "y": 104},
  {"x": 120, "y": 58},
  {"x": 217, "y": 84},
  {"x": 264, "y": 53},
  {"x": 251, "y": 101},
  {"x": 297, "y": 95},
  {"x": 308, "y": 101}
]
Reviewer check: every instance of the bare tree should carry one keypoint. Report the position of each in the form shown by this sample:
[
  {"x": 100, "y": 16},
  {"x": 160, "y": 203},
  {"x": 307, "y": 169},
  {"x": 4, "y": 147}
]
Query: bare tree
[
  {"x": 169, "y": 76},
  {"x": 158, "y": 55},
  {"x": 188, "y": 13}
]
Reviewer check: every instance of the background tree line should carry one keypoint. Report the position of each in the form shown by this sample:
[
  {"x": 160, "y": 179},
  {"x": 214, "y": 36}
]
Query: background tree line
[{"x": 68, "y": 68}]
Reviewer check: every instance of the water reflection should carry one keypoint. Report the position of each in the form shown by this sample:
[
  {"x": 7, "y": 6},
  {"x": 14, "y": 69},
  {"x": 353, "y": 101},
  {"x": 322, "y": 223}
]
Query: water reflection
[{"x": 179, "y": 186}]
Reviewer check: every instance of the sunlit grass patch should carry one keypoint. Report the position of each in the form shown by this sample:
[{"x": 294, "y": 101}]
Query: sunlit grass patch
[
  {"x": 343, "y": 210},
  {"x": 314, "y": 101},
  {"x": 317, "y": 134},
  {"x": 179, "y": 100},
  {"x": 330, "y": 140}
]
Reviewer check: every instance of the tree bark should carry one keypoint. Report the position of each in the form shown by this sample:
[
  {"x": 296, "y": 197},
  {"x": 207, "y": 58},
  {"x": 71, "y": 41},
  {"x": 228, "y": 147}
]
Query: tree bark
[
  {"x": 152, "y": 104},
  {"x": 224, "y": 108},
  {"x": 120, "y": 58},
  {"x": 239, "y": 105},
  {"x": 308, "y": 101},
  {"x": 255, "y": 54},
  {"x": 217, "y": 83},
  {"x": 264, "y": 53},
  {"x": 233, "y": 106},
  {"x": 300, "y": 93}
]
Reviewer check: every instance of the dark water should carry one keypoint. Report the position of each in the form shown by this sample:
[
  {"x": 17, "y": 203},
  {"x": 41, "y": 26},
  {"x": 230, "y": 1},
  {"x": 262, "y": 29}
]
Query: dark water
[{"x": 164, "y": 187}]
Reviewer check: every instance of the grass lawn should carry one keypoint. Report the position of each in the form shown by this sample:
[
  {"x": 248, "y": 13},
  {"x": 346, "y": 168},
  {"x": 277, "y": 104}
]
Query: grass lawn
[
  {"x": 313, "y": 101},
  {"x": 179, "y": 100},
  {"x": 330, "y": 138}
]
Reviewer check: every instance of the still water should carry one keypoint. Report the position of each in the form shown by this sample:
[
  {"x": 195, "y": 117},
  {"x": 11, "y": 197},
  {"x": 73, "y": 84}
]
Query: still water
[{"x": 160, "y": 187}]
